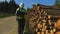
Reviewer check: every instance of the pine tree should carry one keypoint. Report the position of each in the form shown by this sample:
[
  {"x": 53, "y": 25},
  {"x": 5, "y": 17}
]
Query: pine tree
[{"x": 12, "y": 6}]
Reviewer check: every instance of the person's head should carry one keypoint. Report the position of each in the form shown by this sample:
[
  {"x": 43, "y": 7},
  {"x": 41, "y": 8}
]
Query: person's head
[{"x": 21, "y": 5}]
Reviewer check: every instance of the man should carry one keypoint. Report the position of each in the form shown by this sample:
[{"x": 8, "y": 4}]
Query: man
[{"x": 20, "y": 16}]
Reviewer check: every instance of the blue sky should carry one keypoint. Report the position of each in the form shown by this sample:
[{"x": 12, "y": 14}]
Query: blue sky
[{"x": 28, "y": 3}]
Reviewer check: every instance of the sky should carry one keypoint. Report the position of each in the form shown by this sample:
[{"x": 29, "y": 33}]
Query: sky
[{"x": 28, "y": 3}]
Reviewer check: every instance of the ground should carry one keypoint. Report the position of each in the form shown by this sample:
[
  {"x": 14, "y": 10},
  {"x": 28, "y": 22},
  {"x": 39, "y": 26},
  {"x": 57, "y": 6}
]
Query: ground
[{"x": 8, "y": 25}]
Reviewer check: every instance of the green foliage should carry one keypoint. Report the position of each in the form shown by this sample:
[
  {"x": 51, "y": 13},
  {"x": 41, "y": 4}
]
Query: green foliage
[
  {"x": 12, "y": 6},
  {"x": 57, "y": 3},
  {"x": 8, "y": 7},
  {"x": 27, "y": 29},
  {"x": 3, "y": 15}
]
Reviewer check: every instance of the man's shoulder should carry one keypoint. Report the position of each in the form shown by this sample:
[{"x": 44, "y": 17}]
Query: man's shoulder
[{"x": 17, "y": 9}]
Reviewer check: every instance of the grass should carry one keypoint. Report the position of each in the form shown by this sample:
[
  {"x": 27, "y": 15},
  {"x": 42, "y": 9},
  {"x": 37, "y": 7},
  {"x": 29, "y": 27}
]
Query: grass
[
  {"x": 3, "y": 15},
  {"x": 27, "y": 29}
]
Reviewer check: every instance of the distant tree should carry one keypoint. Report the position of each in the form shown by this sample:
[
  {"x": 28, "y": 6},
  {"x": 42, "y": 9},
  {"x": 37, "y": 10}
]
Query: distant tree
[
  {"x": 8, "y": 7},
  {"x": 12, "y": 6},
  {"x": 4, "y": 6},
  {"x": 1, "y": 6}
]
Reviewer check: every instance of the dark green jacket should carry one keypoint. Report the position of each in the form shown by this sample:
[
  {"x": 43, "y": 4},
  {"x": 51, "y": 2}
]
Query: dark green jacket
[{"x": 20, "y": 13}]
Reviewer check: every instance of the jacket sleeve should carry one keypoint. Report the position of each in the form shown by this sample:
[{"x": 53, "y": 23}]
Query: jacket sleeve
[
  {"x": 17, "y": 11},
  {"x": 16, "y": 14}
]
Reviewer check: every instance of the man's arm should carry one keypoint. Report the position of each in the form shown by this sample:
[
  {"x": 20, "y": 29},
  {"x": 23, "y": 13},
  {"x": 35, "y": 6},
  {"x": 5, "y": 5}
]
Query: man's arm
[
  {"x": 16, "y": 11},
  {"x": 16, "y": 14}
]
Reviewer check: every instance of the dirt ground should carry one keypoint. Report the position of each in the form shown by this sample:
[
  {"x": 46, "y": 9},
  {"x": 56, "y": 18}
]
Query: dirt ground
[{"x": 8, "y": 25}]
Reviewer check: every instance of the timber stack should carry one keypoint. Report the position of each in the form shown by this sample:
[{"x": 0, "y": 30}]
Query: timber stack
[{"x": 39, "y": 21}]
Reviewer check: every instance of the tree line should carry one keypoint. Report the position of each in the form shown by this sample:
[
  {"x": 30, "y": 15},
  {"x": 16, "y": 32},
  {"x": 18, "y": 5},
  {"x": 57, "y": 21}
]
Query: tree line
[{"x": 10, "y": 7}]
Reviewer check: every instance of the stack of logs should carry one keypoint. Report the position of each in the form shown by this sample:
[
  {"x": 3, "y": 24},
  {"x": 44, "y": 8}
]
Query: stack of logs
[{"x": 39, "y": 21}]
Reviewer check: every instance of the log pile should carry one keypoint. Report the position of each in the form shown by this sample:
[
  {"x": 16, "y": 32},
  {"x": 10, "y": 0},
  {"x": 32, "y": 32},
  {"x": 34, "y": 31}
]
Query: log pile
[{"x": 39, "y": 21}]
